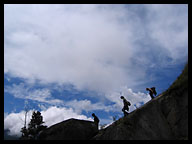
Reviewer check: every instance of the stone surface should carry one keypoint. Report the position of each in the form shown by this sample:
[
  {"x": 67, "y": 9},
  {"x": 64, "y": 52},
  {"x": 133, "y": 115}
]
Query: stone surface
[
  {"x": 163, "y": 118},
  {"x": 72, "y": 129}
]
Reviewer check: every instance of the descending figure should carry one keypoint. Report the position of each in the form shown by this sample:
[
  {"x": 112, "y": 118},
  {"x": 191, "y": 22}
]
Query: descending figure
[
  {"x": 151, "y": 92},
  {"x": 96, "y": 120},
  {"x": 126, "y": 104}
]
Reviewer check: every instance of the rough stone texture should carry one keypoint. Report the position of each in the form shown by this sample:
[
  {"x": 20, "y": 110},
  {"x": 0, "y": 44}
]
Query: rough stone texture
[
  {"x": 71, "y": 129},
  {"x": 163, "y": 118}
]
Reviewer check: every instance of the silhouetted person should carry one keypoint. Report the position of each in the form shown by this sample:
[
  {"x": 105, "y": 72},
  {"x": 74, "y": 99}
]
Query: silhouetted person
[
  {"x": 96, "y": 120},
  {"x": 126, "y": 105},
  {"x": 151, "y": 92}
]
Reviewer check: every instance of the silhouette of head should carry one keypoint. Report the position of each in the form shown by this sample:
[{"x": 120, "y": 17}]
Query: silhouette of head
[
  {"x": 93, "y": 114},
  {"x": 147, "y": 89},
  {"x": 122, "y": 97}
]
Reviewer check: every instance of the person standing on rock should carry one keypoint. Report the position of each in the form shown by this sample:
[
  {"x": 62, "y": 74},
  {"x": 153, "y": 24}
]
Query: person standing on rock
[
  {"x": 126, "y": 105},
  {"x": 96, "y": 120},
  {"x": 151, "y": 92}
]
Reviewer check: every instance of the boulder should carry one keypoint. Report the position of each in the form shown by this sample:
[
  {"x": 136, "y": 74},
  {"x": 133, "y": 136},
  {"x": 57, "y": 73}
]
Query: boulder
[{"x": 71, "y": 129}]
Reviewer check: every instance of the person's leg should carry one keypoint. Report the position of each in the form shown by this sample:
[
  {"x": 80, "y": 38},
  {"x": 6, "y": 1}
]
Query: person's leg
[
  {"x": 151, "y": 95},
  {"x": 124, "y": 112},
  {"x": 126, "y": 108},
  {"x": 97, "y": 125},
  {"x": 123, "y": 109}
]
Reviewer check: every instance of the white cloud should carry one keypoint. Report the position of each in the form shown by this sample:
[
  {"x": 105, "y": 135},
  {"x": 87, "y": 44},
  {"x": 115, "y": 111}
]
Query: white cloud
[
  {"x": 54, "y": 115},
  {"x": 24, "y": 92},
  {"x": 5, "y": 114},
  {"x": 168, "y": 26},
  {"x": 86, "y": 47},
  {"x": 88, "y": 106},
  {"x": 93, "y": 47},
  {"x": 15, "y": 121}
]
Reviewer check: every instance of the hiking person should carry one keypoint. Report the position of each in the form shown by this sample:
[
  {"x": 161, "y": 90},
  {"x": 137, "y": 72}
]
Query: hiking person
[
  {"x": 126, "y": 104},
  {"x": 151, "y": 92},
  {"x": 96, "y": 120}
]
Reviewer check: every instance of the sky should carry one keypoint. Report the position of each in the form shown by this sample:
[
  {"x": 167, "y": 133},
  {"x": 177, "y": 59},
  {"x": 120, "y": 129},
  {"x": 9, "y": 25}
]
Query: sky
[{"x": 69, "y": 61}]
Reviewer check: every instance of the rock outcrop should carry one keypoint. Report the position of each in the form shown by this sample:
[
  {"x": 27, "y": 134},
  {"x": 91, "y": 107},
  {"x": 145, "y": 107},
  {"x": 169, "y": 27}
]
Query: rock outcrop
[
  {"x": 163, "y": 118},
  {"x": 71, "y": 129}
]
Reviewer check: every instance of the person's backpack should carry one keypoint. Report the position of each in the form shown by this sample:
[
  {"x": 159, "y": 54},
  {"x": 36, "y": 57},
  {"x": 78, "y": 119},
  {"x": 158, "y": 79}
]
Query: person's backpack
[
  {"x": 154, "y": 91},
  {"x": 129, "y": 104}
]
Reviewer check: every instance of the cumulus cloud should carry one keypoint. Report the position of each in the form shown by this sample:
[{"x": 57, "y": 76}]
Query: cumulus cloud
[
  {"x": 55, "y": 114},
  {"x": 168, "y": 25},
  {"x": 15, "y": 121},
  {"x": 79, "y": 47},
  {"x": 88, "y": 106},
  {"x": 94, "y": 47}
]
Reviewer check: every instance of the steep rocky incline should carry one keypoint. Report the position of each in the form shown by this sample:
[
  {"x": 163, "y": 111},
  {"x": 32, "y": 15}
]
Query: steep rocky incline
[{"x": 164, "y": 117}]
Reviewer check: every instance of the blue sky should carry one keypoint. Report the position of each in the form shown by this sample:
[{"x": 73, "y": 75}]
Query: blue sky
[{"x": 72, "y": 60}]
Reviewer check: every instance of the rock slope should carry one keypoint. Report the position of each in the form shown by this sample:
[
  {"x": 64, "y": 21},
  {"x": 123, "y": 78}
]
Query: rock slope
[
  {"x": 71, "y": 129},
  {"x": 163, "y": 118}
]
